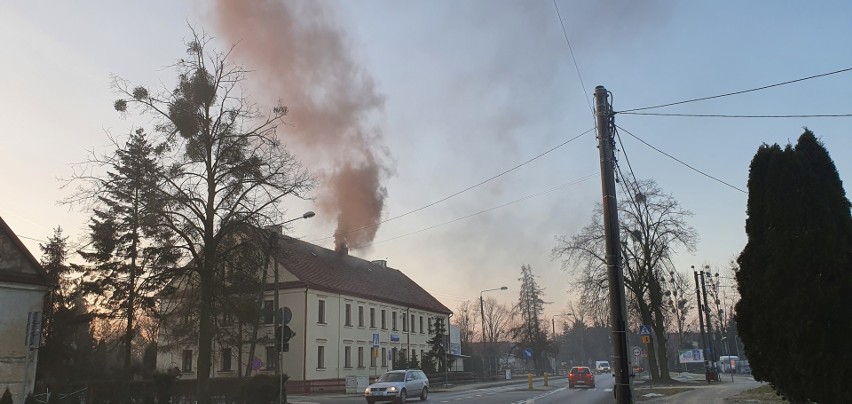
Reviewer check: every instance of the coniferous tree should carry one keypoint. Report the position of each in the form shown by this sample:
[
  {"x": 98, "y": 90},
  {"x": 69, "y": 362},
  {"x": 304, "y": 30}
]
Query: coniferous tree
[
  {"x": 65, "y": 354},
  {"x": 438, "y": 351},
  {"x": 795, "y": 273},
  {"x": 532, "y": 331},
  {"x": 127, "y": 262}
]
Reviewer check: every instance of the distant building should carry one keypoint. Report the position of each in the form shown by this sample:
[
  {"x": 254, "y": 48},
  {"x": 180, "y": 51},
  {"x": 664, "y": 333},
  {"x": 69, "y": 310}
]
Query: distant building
[
  {"x": 23, "y": 285},
  {"x": 341, "y": 306}
]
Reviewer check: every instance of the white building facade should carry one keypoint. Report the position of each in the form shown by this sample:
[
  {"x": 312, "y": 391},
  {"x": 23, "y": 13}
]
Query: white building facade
[
  {"x": 23, "y": 286},
  {"x": 350, "y": 317}
]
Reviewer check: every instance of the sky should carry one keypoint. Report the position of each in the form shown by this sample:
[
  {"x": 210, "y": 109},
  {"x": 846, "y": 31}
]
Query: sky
[{"x": 458, "y": 93}]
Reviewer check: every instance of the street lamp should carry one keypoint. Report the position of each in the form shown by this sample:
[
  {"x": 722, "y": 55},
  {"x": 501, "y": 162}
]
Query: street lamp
[
  {"x": 307, "y": 215},
  {"x": 482, "y": 314}
]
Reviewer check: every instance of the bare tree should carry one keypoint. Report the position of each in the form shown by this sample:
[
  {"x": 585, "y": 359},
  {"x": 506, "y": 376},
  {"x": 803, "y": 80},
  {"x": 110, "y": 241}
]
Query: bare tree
[
  {"x": 653, "y": 227},
  {"x": 225, "y": 170},
  {"x": 467, "y": 317}
]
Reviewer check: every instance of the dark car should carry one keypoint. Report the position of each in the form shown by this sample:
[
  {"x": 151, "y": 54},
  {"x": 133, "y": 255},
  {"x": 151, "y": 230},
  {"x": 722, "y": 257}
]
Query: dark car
[
  {"x": 581, "y": 375},
  {"x": 398, "y": 385}
]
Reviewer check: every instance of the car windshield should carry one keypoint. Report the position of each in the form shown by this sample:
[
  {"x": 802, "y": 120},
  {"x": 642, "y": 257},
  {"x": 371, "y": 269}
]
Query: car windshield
[
  {"x": 580, "y": 370},
  {"x": 392, "y": 377}
]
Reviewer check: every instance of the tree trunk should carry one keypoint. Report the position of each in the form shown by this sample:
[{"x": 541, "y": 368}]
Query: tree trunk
[
  {"x": 660, "y": 331},
  {"x": 645, "y": 312},
  {"x": 205, "y": 335},
  {"x": 256, "y": 324}
]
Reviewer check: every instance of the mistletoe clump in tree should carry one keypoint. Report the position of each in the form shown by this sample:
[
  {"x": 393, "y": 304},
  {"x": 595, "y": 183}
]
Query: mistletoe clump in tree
[{"x": 224, "y": 170}]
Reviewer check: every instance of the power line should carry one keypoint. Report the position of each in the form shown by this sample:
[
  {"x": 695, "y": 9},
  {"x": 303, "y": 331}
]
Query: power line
[
  {"x": 571, "y": 50},
  {"x": 739, "y": 116},
  {"x": 738, "y": 92},
  {"x": 575, "y": 182},
  {"x": 30, "y": 238},
  {"x": 536, "y": 157},
  {"x": 681, "y": 162}
]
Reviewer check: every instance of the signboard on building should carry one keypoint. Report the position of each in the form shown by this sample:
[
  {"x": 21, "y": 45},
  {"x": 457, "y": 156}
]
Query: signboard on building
[
  {"x": 375, "y": 340},
  {"x": 455, "y": 340},
  {"x": 33, "y": 338},
  {"x": 394, "y": 337},
  {"x": 690, "y": 356}
]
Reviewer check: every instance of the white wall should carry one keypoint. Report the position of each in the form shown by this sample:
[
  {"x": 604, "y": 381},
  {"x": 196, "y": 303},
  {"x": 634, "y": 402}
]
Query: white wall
[{"x": 17, "y": 362}]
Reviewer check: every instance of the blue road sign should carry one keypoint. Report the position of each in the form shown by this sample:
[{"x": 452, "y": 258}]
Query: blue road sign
[
  {"x": 644, "y": 329},
  {"x": 528, "y": 353},
  {"x": 375, "y": 340}
]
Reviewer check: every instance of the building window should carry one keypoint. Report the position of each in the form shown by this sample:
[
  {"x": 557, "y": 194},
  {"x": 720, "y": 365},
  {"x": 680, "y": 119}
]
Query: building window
[
  {"x": 412, "y": 324},
  {"x": 347, "y": 357},
  {"x": 384, "y": 357},
  {"x": 268, "y": 311},
  {"x": 187, "y": 361},
  {"x": 430, "y": 325},
  {"x": 321, "y": 312},
  {"x": 360, "y": 316},
  {"x": 271, "y": 357},
  {"x": 404, "y": 322},
  {"x": 393, "y": 320},
  {"x": 348, "y": 315},
  {"x": 421, "y": 324},
  {"x": 372, "y": 317},
  {"x": 394, "y": 357},
  {"x": 320, "y": 357},
  {"x": 360, "y": 357},
  {"x": 384, "y": 322},
  {"x": 226, "y": 359},
  {"x": 373, "y": 357}
]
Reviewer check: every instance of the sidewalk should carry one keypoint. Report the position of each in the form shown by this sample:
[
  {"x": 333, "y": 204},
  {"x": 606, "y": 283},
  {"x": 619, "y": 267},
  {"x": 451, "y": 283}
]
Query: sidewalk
[{"x": 700, "y": 391}]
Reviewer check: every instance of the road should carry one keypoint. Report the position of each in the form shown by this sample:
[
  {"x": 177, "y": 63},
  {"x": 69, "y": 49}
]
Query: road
[{"x": 557, "y": 393}]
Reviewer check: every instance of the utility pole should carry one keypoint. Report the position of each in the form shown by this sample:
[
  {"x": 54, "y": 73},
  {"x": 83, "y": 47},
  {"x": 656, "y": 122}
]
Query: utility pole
[
  {"x": 701, "y": 322},
  {"x": 618, "y": 306},
  {"x": 484, "y": 354},
  {"x": 707, "y": 321}
]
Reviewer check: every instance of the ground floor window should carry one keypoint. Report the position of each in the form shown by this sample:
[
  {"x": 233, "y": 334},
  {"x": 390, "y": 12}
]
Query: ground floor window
[
  {"x": 187, "y": 361},
  {"x": 320, "y": 357},
  {"x": 226, "y": 360}
]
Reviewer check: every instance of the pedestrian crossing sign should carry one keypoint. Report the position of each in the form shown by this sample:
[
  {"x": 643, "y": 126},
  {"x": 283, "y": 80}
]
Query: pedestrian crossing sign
[{"x": 644, "y": 329}]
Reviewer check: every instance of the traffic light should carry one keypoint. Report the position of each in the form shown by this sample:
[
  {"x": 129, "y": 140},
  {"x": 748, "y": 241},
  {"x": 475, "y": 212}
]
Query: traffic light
[{"x": 283, "y": 333}]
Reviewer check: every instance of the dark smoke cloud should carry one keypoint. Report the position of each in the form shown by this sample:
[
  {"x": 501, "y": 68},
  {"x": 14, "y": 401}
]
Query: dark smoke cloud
[{"x": 302, "y": 58}]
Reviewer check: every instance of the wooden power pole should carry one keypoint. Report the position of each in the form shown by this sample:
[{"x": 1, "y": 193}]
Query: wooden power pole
[{"x": 618, "y": 307}]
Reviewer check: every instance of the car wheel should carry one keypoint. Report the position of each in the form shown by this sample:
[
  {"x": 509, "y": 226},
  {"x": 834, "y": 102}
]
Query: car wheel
[
  {"x": 592, "y": 386},
  {"x": 424, "y": 395},
  {"x": 570, "y": 386},
  {"x": 402, "y": 396}
]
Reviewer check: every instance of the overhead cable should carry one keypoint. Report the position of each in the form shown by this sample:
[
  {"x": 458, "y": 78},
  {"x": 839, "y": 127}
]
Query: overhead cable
[
  {"x": 576, "y": 66},
  {"x": 739, "y": 116},
  {"x": 483, "y": 182},
  {"x": 575, "y": 182},
  {"x": 738, "y": 92},
  {"x": 682, "y": 162}
]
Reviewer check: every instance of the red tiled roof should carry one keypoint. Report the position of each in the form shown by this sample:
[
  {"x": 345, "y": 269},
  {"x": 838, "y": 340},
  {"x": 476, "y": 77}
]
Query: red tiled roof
[
  {"x": 328, "y": 270},
  {"x": 38, "y": 278}
]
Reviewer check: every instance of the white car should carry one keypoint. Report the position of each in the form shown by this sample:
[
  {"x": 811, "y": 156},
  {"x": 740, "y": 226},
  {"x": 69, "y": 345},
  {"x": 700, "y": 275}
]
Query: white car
[{"x": 398, "y": 385}]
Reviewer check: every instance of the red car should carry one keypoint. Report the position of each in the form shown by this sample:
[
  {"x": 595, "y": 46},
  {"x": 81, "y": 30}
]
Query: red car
[{"x": 581, "y": 375}]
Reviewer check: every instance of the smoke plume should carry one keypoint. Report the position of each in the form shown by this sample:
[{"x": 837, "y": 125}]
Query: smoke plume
[{"x": 302, "y": 58}]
